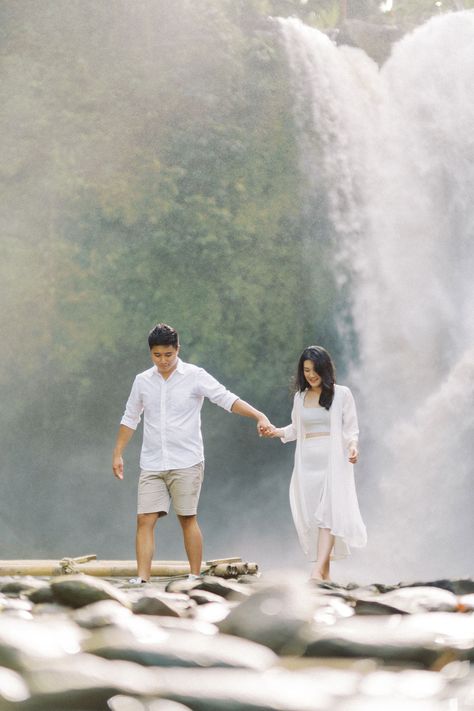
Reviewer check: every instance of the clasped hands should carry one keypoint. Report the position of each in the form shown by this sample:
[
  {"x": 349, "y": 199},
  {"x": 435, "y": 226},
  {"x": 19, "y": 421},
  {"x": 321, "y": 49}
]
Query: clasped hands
[{"x": 266, "y": 429}]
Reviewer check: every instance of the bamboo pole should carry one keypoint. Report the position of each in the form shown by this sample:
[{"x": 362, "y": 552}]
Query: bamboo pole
[{"x": 224, "y": 567}]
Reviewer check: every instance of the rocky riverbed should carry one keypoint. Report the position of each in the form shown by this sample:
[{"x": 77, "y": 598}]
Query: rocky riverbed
[{"x": 253, "y": 644}]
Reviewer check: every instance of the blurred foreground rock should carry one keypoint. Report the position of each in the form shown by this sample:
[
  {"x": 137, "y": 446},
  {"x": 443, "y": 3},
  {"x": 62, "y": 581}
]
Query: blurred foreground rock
[{"x": 213, "y": 644}]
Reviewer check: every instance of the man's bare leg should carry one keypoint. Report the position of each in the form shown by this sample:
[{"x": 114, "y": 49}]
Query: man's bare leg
[
  {"x": 145, "y": 543},
  {"x": 192, "y": 542},
  {"x": 325, "y": 546}
]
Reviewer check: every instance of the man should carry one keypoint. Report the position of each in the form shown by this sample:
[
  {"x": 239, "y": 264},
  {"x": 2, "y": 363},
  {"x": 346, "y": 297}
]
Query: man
[{"x": 171, "y": 395}]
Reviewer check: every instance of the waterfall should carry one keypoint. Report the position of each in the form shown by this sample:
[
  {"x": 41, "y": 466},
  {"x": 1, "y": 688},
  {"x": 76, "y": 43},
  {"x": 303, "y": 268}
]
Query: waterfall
[{"x": 392, "y": 152}]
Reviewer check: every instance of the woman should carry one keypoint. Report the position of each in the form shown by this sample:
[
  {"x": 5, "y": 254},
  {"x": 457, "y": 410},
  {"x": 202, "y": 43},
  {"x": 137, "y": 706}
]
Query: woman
[{"x": 323, "y": 498}]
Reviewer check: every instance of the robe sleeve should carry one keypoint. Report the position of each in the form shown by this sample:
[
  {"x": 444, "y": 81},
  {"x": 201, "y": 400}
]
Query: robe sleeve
[
  {"x": 290, "y": 431},
  {"x": 350, "y": 426}
]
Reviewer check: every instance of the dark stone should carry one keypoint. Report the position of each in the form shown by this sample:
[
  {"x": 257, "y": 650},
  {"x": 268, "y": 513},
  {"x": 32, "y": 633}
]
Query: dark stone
[
  {"x": 153, "y": 602},
  {"x": 81, "y": 590},
  {"x": 41, "y": 595},
  {"x": 421, "y": 639},
  {"x": 277, "y": 616},
  {"x": 220, "y": 586},
  {"x": 25, "y": 584},
  {"x": 201, "y": 597},
  {"x": 101, "y": 614},
  {"x": 170, "y": 648}
]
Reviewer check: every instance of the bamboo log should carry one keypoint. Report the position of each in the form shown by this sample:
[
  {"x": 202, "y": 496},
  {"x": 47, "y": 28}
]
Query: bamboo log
[
  {"x": 121, "y": 568},
  {"x": 101, "y": 568}
]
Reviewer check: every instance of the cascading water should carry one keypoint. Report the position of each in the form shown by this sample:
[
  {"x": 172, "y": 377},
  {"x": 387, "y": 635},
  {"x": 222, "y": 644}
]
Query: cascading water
[{"x": 391, "y": 152}]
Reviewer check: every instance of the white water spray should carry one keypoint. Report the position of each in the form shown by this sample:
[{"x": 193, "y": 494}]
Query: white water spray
[{"x": 393, "y": 151}]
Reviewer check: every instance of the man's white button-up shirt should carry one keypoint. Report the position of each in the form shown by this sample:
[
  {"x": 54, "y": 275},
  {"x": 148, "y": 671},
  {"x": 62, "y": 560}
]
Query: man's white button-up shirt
[{"x": 172, "y": 414}]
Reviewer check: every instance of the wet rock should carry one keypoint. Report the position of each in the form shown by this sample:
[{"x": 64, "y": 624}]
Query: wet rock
[
  {"x": 277, "y": 616},
  {"x": 81, "y": 590},
  {"x": 101, "y": 614},
  {"x": 153, "y": 602},
  {"x": 185, "y": 624},
  {"x": 220, "y": 586},
  {"x": 43, "y": 594},
  {"x": 329, "y": 609},
  {"x": 182, "y": 585},
  {"x": 128, "y": 703},
  {"x": 430, "y": 639},
  {"x": 166, "y": 705},
  {"x": 420, "y": 599},
  {"x": 248, "y": 579},
  {"x": 201, "y": 597},
  {"x": 51, "y": 608},
  {"x": 83, "y": 681},
  {"x": 375, "y": 587},
  {"x": 242, "y": 690},
  {"x": 24, "y": 584},
  {"x": 463, "y": 586},
  {"x": 411, "y": 684},
  {"x": 13, "y": 688},
  {"x": 182, "y": 649},
  {"x": 24, "y": 643},
  {"x": 375, "y": 606},
  {"x": 213, "y": 612},
  {"x": 10, "y": 604}
]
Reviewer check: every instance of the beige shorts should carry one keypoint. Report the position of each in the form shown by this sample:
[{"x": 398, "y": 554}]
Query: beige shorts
[{"x": 181, "y": 486}]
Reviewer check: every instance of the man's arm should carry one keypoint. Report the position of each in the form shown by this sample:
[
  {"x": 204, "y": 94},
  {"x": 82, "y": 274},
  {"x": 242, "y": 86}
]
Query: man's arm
[
  {"x": 124, "y": 436},
  {"x": 240, "y": 407}
]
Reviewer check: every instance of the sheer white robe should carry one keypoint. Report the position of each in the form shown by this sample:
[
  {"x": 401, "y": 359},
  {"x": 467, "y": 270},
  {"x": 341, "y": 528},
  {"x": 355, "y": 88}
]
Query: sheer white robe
[{"x": 338, "y": 508}]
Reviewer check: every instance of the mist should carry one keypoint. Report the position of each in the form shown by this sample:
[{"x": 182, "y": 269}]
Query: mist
[
  {"x": 394, "y": 153},
  {"x": 155, "y": 167}
]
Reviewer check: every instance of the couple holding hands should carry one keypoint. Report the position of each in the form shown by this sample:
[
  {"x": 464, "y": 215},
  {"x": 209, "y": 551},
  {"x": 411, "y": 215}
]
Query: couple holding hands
[{"x": 170, "y": 395}]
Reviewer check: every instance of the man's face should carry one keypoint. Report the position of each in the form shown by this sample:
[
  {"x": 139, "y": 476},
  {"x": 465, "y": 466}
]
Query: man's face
[{"x": 165, "y": 358}]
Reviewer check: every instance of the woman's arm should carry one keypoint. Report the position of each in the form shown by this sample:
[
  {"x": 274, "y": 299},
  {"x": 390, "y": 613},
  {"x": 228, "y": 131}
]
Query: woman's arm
[{"x": 350, "y": 426}]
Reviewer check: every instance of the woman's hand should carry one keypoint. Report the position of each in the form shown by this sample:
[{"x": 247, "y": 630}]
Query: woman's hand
[
  {"x": 272, "y": 431},
  {"x": 353, "y": 454}
]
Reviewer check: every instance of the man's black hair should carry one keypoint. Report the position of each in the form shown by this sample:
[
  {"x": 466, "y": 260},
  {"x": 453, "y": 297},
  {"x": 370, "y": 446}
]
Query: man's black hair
[{"x": 163, "y": 335}]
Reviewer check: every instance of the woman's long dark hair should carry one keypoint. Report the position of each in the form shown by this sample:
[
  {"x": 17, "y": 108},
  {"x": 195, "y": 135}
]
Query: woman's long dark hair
[{"x": 324, "y": 367}]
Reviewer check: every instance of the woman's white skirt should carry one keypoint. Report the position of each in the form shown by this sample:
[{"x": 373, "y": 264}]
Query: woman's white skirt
[{"x": 315, "y": 493}]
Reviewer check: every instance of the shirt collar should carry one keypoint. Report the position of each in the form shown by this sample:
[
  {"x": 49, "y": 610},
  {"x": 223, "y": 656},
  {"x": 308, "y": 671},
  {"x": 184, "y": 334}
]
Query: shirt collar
[{"x": 180, "y": 368}]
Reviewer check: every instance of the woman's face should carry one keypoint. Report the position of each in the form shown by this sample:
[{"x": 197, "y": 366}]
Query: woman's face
[{"x": 312, "y": 378}]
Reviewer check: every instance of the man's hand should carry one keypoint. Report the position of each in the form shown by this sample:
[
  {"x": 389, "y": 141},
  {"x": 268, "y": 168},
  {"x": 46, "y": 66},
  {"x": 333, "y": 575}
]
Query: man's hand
[
  {"x": 264, "y": 426},
  {"x": 117, "y": 466},
  {"x": 353, "y": 454},
  {"x": 124, "y": 436}
]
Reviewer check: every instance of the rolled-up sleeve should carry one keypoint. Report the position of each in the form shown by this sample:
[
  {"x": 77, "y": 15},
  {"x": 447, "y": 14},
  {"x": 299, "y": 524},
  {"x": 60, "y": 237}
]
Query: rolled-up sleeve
[
  {"x": 211, "y": 388},
  {"x": 134, "y": 407}
]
